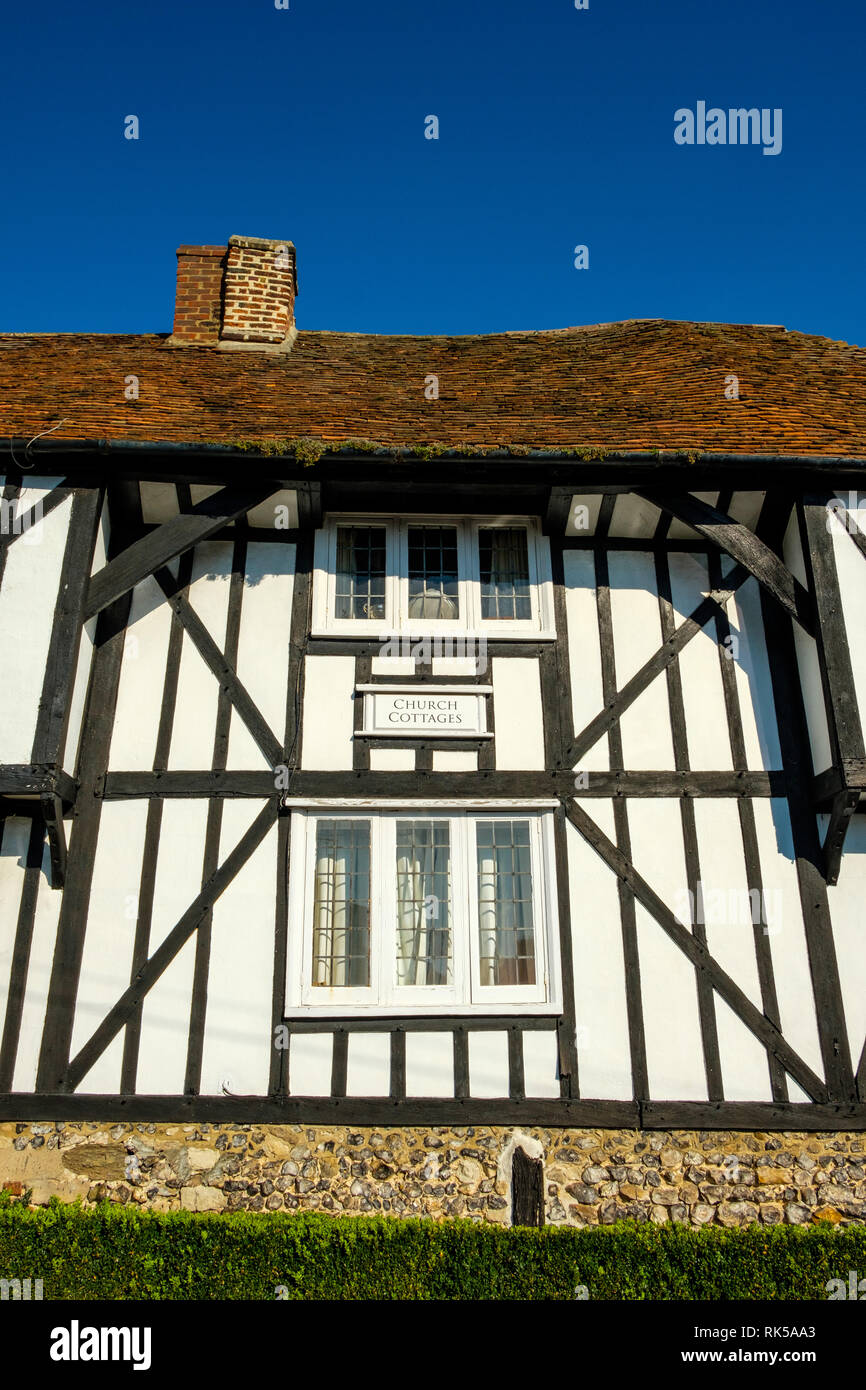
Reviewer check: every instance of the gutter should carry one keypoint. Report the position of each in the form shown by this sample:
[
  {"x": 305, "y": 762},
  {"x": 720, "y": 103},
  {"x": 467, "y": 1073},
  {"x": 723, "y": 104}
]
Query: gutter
[{"x": 567, "y": 464}]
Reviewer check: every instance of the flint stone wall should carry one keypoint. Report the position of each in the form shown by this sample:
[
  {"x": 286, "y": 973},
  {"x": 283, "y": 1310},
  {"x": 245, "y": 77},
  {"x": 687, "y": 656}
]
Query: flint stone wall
[{"x": 591, "y": 1177}]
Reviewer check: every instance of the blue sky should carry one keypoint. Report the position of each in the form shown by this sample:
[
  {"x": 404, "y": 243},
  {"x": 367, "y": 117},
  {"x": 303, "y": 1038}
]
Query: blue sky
[{"x": 555, "y": 129}]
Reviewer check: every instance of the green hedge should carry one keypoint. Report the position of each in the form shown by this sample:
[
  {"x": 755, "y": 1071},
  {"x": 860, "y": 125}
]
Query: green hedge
[{"x": 114, "y": 1252}]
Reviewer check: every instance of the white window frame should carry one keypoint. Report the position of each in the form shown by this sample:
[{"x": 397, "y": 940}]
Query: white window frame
[
  {"x": 465, "y": 995},
  {"x": 539, "y": 627}
]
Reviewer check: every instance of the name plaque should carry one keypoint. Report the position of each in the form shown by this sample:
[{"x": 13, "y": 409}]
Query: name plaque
[{"x": 442, "y": 711}]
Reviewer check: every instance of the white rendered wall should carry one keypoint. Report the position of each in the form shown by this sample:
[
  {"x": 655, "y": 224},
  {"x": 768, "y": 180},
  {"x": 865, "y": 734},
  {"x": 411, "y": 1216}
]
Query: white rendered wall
[{"x": 28, "y": 597}]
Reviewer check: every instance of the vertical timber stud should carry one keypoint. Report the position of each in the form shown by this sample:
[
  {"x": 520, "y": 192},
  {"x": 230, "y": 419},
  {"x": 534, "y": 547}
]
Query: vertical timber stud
[
  {"x": 298, "y": 634},
  {"x": 198, "y": 1011},
  {"x": 153, "y": 826},
  {"x": 748, "y": 828},
  {"x": 837, "y": 676},
  {"x": 72, "y": 925},
  {"x": 706, "y": 1001},
  {"x": 53, "y": 716},
  {"x": 797, "y": 763},
  {"x": 634, "y": 1002}
]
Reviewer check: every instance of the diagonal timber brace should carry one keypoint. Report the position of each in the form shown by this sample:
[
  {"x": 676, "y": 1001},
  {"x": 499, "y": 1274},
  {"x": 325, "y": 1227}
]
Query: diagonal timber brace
[
  {"x": 736, "y": 540},
  {"x": 763, "y": 1029},
  {"x": 172, "y": 538},
  {"x": 619, "y": 703},
  {"x": 147, "y": 976},
  {"x": 241, "y": 700}
]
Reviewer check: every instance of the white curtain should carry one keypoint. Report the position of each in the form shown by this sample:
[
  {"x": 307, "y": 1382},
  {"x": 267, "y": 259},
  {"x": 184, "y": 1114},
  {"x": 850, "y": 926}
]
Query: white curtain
[
  {"x": 341, "y": 914},
  {"x": 423, "y": 947}
]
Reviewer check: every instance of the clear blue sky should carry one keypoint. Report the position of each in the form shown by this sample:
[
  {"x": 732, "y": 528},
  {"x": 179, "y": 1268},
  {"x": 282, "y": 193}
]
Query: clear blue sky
[{"x": 556, "y": 129}]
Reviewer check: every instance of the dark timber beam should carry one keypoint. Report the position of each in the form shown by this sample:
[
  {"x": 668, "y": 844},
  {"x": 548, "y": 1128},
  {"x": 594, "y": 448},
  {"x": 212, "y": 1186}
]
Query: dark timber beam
[
  {"x": 145, "y": 556},
  {"x": 52, "y": 814},
  {"x": 837, "y": 675},
  {"x": 456, "y": 786},
  {"x": 757, "y": 1023},
  {"x": 557, "y": 511},
  {"x": 377, "y": 1110},
  {"x": 745, "y": 547}
]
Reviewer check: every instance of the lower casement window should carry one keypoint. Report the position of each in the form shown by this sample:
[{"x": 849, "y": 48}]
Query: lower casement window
[{"x": 437, "y": 911}]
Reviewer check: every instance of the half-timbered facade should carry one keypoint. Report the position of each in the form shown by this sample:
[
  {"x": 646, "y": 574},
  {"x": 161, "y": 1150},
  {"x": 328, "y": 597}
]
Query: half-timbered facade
[{"x": 431, "y": 732}]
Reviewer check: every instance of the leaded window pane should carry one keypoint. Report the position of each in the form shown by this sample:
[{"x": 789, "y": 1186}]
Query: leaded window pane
[
  {"x": 360, "y": 591},
  {"x": 505, "y": 903},
  {"x": 504, "y": 563},
  {"x": 341, "y": 908}
]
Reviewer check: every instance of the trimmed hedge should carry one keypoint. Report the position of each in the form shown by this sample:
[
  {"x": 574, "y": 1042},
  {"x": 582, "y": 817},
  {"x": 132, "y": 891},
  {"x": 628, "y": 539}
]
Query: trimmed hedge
[{"x": 114, "y": 1252}]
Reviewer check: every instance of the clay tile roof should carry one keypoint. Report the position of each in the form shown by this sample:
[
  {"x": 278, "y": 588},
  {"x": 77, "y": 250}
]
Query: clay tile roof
[{"x": 641, "y": 384}]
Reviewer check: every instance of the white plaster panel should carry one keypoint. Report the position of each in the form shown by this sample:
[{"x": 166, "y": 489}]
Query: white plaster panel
[
  {"x": 679, "y": 531},
  {"x": 519, "y": 740},
  {"x": 393, "y": 759},
  {"x": 14, "y": 839},
  {"x": 393, "y": 666},
  {"x": 42, "y": 946},
  {"x": 453, "y": 665},
  {"x": 851, "y": 572},
  {"x": 646, "y": 729},
  {"x": 668, "y": 986},
  {"x": 746, "y": 508},
  {"x": 675, "y": 1059},
  {"x": 455, "y": 760},
  {"x": 601, "y": 1012},
  {"x": 110, "y": 935},
  {"x": 540, "y": 1063},
  {"x": 745, "y": 1069},
  {"x": 237, "y": 1035},
  {"x": 488, "y": 1063},
  {"x": 808, "y": 661},
  {"x": 192, "y": 735},
  {"x": 266, "y": 515},
  {"x": 263, "y": 646},
  {"x": 787, "y": 934},
  {"x": 429, "y": 1064},
  {"x": 846, "y": 899},
  {"x": 166, "y": 1009},
  {"x": 368, "y": 1068},
  {"x": 142, "y": 678},
  {"x": 28, "y": 596},
  {"x": 728, "y": 911},
  {"x": 709, "y": 744},
  {"x": 310, "y": 1063},
  {"x": 754, "y": 685},
  {"x": 158, "y": 502},
  {"x": 633, "y": 516},
  {"x": 726, "y": 907},
  {"x": 589, "y": 518},
  {"x": 328, "y": 718},
  {"x": 584, "y": 652}
]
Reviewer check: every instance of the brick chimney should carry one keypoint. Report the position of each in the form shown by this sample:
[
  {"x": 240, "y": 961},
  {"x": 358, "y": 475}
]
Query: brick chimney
[{"x": 236, "y": 296}]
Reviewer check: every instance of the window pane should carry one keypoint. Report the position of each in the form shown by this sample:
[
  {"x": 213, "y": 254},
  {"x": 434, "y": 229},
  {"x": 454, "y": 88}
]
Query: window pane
[
  {"x": 360, "y": 572},
  {"x": 423, "y": 903},
  {"x": 341, "y": 909},
  {"x": 433, "y": 572},
  {"x": 504, "y": 562},
  {"x": 505, "y": 903}
]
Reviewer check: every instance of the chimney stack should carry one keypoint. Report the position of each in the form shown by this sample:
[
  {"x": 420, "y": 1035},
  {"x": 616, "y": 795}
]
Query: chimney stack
[{"x": 236, "y": 296}]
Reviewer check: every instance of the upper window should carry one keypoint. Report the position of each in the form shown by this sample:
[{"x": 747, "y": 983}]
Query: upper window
[
  {"x": 410, "y": 912},
  {"x": 380, "y": 575}
]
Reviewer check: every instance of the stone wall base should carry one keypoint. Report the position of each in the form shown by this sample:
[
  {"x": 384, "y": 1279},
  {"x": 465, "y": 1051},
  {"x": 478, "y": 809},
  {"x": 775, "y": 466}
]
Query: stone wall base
[{"x": 591, "y": 1177}]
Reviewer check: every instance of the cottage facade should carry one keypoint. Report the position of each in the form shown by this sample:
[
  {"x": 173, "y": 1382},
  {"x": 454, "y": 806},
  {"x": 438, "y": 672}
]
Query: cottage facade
[{"x": 449, "y": 745}]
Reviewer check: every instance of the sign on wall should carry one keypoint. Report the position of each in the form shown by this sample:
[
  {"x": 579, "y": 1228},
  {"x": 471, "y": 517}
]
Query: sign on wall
[{"x": 416, "y": 711}]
